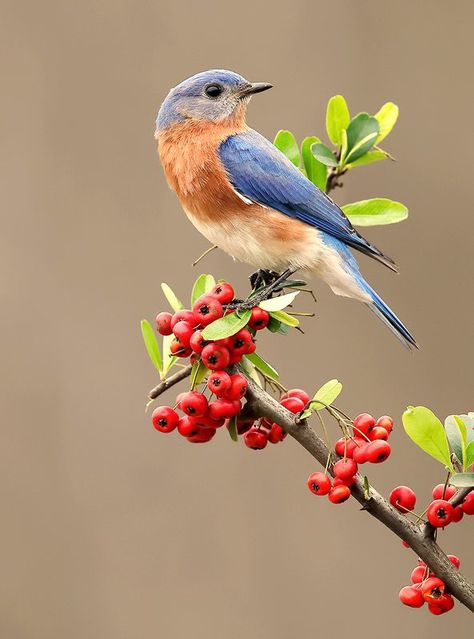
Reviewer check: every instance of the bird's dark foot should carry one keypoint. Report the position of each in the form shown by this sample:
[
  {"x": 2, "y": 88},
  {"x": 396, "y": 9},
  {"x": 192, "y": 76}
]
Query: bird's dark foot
[
  {"x": 262, "y": 277},
  {"x": 266, "y": 292}
]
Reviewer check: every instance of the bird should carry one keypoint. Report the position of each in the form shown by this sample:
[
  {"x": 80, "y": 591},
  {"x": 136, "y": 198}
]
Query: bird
[{"x": 246, "y": 197}]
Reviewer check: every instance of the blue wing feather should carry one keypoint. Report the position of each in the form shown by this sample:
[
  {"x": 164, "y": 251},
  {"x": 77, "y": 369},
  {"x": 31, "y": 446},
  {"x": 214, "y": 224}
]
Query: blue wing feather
[{"x": 260, "y": 172}]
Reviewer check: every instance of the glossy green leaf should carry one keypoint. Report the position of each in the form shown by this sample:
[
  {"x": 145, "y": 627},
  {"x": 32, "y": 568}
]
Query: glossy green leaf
[
  {"x": 361, "y": 136},
  {"x": 232, "y": 428},
  {"x": 284, "y": 318},
  {"x": 337, "y": 118},
  {"x": 368, "y": 158},
  {"x": 226, "y": 326},
  {"x": 376, "y": 211},
  {"x": 323, "y": 154},
  {"x": 344, "y": 148},
  {"x": 168, "y": 359},
  {"x": 462, "y": 480},
  {"x": 469, "y": 455},
  {"x": 278, "y": 303},
  {"x": 261, "y": 365},
  {"x": 315, "y": 171},
  {"x": 152, "y": 346},
  {"x": 457, "y": 437},
  {"x": 199, "y": 373},
  {"x": 273, "y": 325},
  {"x": 173, "y": 301},
  {"x": 323, "y": 397},
  {"x": 425, "y": 429},
  {"x": 250, "y": 370},
  {"x": 203, "y": 284},
  {"x": 469, "y": 423},
  {"x": 386, "y": 117},
  {"x": 286, "y": 142}
]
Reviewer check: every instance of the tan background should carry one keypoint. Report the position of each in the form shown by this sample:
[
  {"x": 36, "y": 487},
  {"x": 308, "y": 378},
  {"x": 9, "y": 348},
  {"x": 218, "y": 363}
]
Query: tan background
[{"x": 109, "y": 530}]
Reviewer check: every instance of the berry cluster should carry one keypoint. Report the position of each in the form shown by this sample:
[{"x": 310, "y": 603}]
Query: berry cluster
[
  {"x": 367, "y": 443},
  {"x": 427, "y": 588}
]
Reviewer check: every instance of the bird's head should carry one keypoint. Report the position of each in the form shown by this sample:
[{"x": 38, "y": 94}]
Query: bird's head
[{"x": 210, "y": 96}]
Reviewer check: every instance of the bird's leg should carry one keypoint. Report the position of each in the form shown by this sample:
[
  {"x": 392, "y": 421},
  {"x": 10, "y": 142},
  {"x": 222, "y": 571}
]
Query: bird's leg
[
  {"x": 264, "y": 293},
  {"x": 262, "y": 277}
]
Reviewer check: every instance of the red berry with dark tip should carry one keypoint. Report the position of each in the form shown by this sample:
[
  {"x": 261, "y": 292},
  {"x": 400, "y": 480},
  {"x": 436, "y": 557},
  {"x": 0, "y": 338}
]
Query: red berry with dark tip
[
  {"x": 179, "y": 350},
  {"x": 258, "y": 318},
  {"x": 215, "y": 357},
  {"x": 202, "y": 436},
  {"x": 432, "y": 589},
  {"x": 238, "y": 387},
  {"x": 443, "y": 604},
  {"x": 441, "y": 491},
  {"x": 223, "y": 408},
  {"x": 194, "y": 404},
  {"x": 223, "y": 292},
  {"x": 319, "y": 483},
  {"x": 186, "y": 427},
  {"x": 219, "y": 382},
  {"x": 164, "y": 419},
  {"x": 385, "y": 422},
  {"x": 183, "y": 332},
  {"x": 256, "y": 439},
  {"x": 183, "y": 316},
  {"x": 411, "y": 596},
  {"x": 197, "y": 342},
  {"x": 293, "y": 404},
  {"x": 163, "y": 323},
  {"x": 338, "y": 494},
  {"x": 363, "y": 424},
  {"x": 276, "y": 434},
  {"x": 403, "y": 498},
  {"x": 240, "y": 343},
  {"x": 345, "y": 468},
  {"x": 378, "y": 451},
  {"x": 378, "y": 432},
  {"x": 439, "y": 513},
  {"x": 207, "y": 309}
]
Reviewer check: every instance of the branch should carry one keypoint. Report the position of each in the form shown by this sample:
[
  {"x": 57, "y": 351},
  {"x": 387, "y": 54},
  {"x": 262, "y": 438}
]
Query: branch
[
  {"x": 261, "y": 404},
  {"x": 169, "y": 382}
]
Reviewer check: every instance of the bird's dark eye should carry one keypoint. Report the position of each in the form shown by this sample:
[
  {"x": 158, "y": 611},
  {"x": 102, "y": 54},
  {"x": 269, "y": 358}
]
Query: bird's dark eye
[{"x": 213, "y": 91}]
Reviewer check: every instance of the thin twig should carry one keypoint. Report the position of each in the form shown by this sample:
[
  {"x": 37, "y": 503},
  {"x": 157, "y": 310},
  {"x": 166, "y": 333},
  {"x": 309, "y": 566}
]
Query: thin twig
[{"x": 169, "y": 382}]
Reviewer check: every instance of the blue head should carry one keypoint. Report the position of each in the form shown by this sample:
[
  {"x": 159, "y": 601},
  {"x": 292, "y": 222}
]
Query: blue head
[{"x": 211, "y": 95}]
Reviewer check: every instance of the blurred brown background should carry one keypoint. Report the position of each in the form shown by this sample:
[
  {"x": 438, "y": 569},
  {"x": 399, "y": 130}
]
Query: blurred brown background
[{"x": 110, "y": 530}]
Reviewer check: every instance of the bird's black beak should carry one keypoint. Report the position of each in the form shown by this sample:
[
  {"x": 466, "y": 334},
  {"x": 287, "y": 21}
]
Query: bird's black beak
[{"x": 255, "y": 87}]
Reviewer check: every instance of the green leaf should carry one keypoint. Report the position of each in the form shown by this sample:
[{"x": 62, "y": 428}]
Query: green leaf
[
  {"x": 152, "y": 345},
  {"x": 173, "y": 301},
  {"x": 469, "y": 423},
  {"x": 375, "y": 211},
  {"x": 261, "y": 365},
  {"x": 316, "y": 171},
  {"x": 323, "y": 154},
  {"x": 284, "y": 318},
  {"x": 250, "y": 370},
  {"x": 278, "y": 303},
  {"x": 232, "y": 428},
  {"x": 168, "y": 359},
  {"x": 344, "y": 148},
  {"x": 361, "y": 136},
  {"x": 273, "y": 325},
  {"x": 337, "y": 118},
  {"x": 286, "y": 142},
  {"x": 203, "y": 284},
  {"x": 369, "y": 158},
  {"x": 469, "y": 455},
  {"x": 425, "y": 429},
  {"x": 226, "y": 326},
  {"x": 198, "y": 373},
  {"x": 326, "y": 395},
  {"x": 386, "y": 117},
  {"x": 456, "y": 437},
  {"x": 462, "y": 480}
]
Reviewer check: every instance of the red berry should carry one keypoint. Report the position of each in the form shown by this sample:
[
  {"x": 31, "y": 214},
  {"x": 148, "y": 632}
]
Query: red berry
[
  {"x": 411, "y": 596},
  {"x": 243, "y": 425},
  {"x": 197, "y": 342},
  {"x": 183, "y": 332},
  {"x": 432, "y": 589},
  {"x": 194, "y": 404},
  {"x": 238, "y": 387},
  {"x": 378, "y": 451},
  {"x": 163, "y": 323},
  {"x": 458, "y": 514},
  {"x": 240, "y": 343},
  {"x": 202, "y": 436},
  {"x": 223, "y": 292},
  {"x": 439, "y": 513},
  {"x": 258, "y": 318},
  {"x": 165, "y": 419},
  {"x": 363, "y": 424},
  {"x": 297, "y": 392},
  {"x": 276, "y": 434},
  {"x": 350, "y": 481},
  {"x": 223, "y": 408},
  {"x": 186, "y": 427},
  {"x": 219, "y": 382},
  {"x": 256, "y": 439},
  {"x": 359, "y": 453},
  {"x": 319, "y": 483},
  {"x": 443, "y": 604},
  {"x": 252, "y": 347},
  {"x": 215, "y": 357},
  {"x": 207, "y": 309},
  {"x": 340, "y": 446},
  {"x": 207, "y": 422},
  {"x": 468, "y": 504},
  {"x": 385, "y": 422},
  {"x": 338, "y": 494},
  {"x": 183, "y": 316},
  {"x": 293, "y": 404},
  {"x": 403, "y": 498},
  {"x": 345, "y": 468},
  {"x": 176, "y": 348},
  {"x": 405, "y": 544},
  {"x": 454, "y": 560},
  {"x": 441, "y": 491},
  {"x": 419, "y": 574},
  {"x": 378, "y": 432}
]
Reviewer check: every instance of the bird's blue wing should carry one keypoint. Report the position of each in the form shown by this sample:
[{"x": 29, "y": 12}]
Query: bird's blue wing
[{"x": 260, "y": 172}]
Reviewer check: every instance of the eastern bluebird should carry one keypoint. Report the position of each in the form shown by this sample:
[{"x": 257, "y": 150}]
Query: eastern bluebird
[{"x": 246, "y": 197}]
